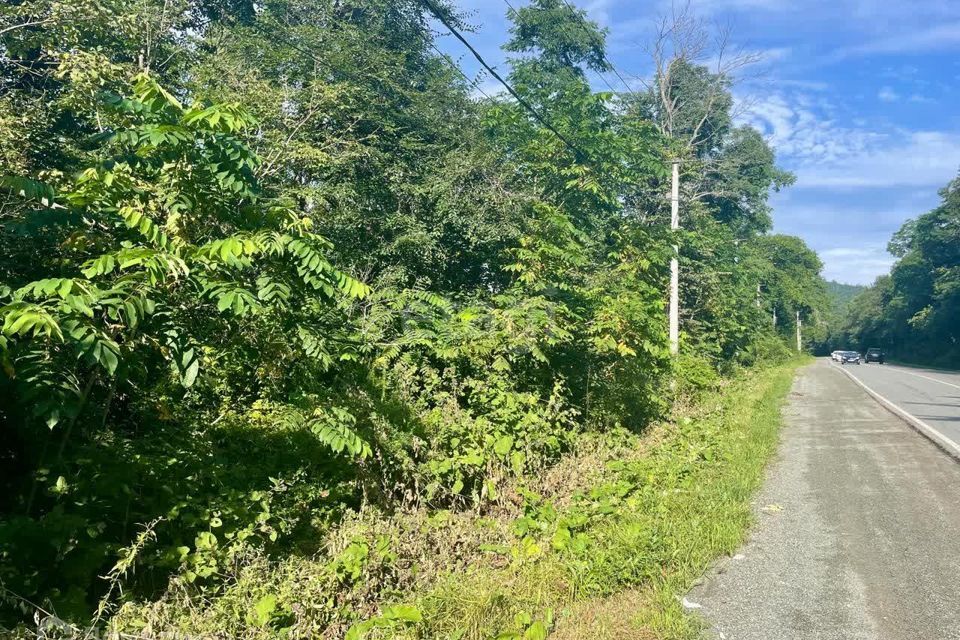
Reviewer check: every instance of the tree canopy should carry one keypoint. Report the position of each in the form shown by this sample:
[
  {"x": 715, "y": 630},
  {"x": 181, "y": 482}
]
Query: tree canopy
[{"x": 913, "y": 312}]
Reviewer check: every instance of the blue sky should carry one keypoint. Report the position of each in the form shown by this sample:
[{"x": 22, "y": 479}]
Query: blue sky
[{"x": 860, "y": 98}]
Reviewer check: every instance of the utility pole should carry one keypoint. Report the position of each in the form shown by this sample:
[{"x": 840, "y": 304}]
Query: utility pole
[
  {"x": 758, "y": 295},
  {"x": 674, "y": 262},
  {"x": 799, "y": 340},
  {"x": 774, "y": 317}
]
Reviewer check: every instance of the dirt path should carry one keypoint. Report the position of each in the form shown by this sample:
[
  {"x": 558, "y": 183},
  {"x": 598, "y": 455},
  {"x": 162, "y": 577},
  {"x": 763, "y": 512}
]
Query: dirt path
[{"x": 857, "y": 534}]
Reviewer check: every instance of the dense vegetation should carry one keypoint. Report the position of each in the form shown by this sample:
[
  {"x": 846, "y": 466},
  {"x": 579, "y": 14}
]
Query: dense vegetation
[
  {"x": 914, "y": 313},
  {"x": 275, "y": 285},
  {"x": 829, "y": 336},
  {"x": 841, "y": 295}
]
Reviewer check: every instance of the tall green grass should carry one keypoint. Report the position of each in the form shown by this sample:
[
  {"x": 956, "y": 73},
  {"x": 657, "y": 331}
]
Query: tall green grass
[{"x": 652, "y": 526}]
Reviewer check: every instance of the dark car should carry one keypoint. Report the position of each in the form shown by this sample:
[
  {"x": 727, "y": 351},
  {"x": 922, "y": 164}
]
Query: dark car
[
  {"x": 849, "y": 357},
  {"x": 873, "y": 355}
]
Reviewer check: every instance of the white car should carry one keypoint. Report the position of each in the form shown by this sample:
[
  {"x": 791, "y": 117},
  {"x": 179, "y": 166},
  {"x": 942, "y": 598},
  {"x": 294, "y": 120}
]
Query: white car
[{"x": 835, "y": 356}]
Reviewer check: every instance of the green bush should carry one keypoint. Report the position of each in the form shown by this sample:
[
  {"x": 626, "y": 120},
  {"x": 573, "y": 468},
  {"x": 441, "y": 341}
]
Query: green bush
[{"x": 767, "y": 349}]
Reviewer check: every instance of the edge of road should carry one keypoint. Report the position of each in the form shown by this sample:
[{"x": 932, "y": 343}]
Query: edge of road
[
  {"x": 911, "y": 365},
  {"x": 944, "y": 443}
]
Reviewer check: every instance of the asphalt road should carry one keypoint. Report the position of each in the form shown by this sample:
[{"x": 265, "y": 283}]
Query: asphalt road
[
  {"x": 858, "y": 524},
  {"x": 931, "y": 396}
]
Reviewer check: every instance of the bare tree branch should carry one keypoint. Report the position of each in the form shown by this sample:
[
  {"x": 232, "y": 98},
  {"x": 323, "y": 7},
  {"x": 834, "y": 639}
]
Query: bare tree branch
[
  {"x": 24, "y": 25},
  {"x": 682, "y": 39}
]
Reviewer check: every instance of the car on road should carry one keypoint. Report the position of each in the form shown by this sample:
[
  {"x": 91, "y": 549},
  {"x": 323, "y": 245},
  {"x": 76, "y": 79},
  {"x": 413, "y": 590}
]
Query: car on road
[
  {"x": 849, "y": 357},
  {"x": 873, "y": 354},
  {"x": 835, "y": 356}
]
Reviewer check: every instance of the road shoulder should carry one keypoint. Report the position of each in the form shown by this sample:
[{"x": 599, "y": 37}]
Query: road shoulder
[
  {"x": 855, "y": 529},
  {"x": 943, "y": 442}
]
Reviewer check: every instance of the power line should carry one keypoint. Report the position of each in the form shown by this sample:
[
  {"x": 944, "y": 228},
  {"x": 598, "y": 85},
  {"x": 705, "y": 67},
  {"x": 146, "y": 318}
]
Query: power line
[
  {"x": 475, "y": 83},
  {"x": 625, "y": 83},
  {"x": 576, "y": 12},
  {"x": 599, "y": 74},
  {"x": 331, "y": 68},
  {"x": 476, "y": 54},
  {"x": 578, "y": 153},
  {"x": 613, "y": 67},
  {"x": 294, "y": 45}
]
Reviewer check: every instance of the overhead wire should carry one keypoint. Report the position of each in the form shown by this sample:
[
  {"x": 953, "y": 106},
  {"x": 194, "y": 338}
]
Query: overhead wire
[
  {"x": 439, "y": 15},
  {"x": 578, "y": 153},
  {"x": 475, "y": 83},
  {"x": 294, "y": 45},
  {"x": 576, "y": 12},
  {"x": 599, "y": 75}
]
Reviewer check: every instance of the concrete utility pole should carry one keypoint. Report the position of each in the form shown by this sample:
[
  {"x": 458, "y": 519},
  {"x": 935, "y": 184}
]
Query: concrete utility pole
[
  {"x": 674, "y": 263},
  {"x": 799, "y": 340}
]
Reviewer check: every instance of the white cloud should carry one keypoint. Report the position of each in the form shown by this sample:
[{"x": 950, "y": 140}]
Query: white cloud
[
  {"x": 826, "y": 154},
  {"x": 848, "y": 252},
  {"x": 847, "y": 170},
  {"x": 922, "y": 158},
  {"x": 796, "y": 126},
  {"x": 902, "y": 73},
  {"x": 597, "y": 10},
  {"x": 887, "y": 94},
  {"x": 939, "y": 37},
  {"x": 809, "y": 85},
  {"x": 758, "y": 60},
  {"x": 855, "y": 265},
  {"x": 710, "y": 7}
]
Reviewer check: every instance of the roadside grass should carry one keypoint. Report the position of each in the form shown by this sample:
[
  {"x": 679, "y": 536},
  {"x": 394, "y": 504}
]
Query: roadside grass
[
  {"x": 603, "y": 545},
  {"x": 654, "y": 525}
]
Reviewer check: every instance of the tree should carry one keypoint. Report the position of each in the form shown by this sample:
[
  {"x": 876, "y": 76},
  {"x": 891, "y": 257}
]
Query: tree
[
  {"x": 913, "y": 312},
  {"x": 166, "y": 227},
  {"x": 726, "y": 176}
]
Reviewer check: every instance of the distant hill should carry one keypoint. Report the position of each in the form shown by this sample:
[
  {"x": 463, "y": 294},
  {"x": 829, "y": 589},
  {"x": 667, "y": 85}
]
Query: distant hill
[{"x": 841, "y": 294}]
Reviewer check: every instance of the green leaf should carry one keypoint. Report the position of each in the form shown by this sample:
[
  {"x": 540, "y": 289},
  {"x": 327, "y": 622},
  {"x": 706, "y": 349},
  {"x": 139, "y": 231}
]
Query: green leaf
[
  {"x": 25, "y": 319},
  {"x": 190, "y": 373},
  {"x": 404, "y": 612},
  {"x": 334, "y": 427},
  {"x": 107, "y": 356},
  {"x": 561, "y": 538},
  {"x": 536, "y": 631},
  {"x": 28, "y": 189},
  {"x": 61, "y": 486},
  {"x": 53, "y": 418},
  {"x": 503, "y": 445},
  {"x": 263, "y": 610}
]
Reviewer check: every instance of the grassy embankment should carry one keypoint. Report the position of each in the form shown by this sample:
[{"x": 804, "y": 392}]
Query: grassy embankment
[
  {"x": 684, "y": 501},
  {"x": 603, "y": 546}
]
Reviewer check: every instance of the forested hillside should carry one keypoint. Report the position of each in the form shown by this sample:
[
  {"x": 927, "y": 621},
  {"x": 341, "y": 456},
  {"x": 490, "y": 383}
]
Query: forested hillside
[
  {"x": 841, "y": 295},
  {"x": 830, "y": 336},
  {"x": 295, "y": 320},
  {"x": 914, "y": 313}
]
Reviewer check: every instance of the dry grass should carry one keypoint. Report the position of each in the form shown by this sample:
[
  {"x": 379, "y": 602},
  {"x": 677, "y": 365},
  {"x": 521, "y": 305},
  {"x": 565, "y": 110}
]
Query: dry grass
[{"x": 612, "y": 618}]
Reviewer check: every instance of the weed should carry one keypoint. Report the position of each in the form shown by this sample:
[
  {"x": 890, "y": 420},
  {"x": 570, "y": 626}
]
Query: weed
[{"x": 605, "y": 554}]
